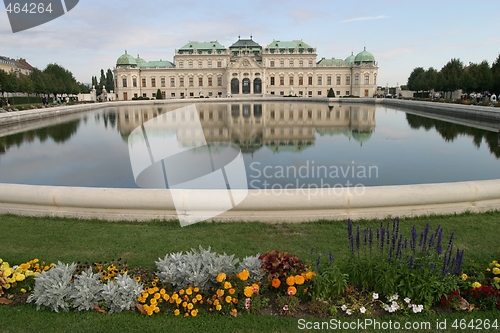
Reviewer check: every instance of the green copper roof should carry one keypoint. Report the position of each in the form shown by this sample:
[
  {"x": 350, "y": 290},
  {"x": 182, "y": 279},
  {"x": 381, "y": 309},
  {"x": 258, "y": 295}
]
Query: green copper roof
[
  {"x": 126, "y": 60},
  {"x": 140, "y": 61},
  {"x": 364, "y": 56},
  {"x": 350, "y": 59},
  {"x": 330, "y": 62},
  {"x": 246, "y": 43},
  {"x": 276, "y": 44},
  {"x": 159, "y": 64},
  {"x": 202, "y": 46}
]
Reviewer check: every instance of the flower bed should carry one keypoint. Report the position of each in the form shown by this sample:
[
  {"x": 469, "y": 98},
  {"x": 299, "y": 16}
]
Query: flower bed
[{"x": 387, "y": 272}]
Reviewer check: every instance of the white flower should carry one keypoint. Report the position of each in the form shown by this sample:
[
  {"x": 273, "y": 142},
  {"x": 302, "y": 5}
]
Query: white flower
[
  {"x": 407, "y": 300},
  {"x": 394, "y": 297},
  {"x": 343, "y": 307},
  {"x": 362, "y": 309},
  {"x": 410, "y": 305},
  {"x": 375, "y": 296},
  {"x": 418, "y": 308},
  {"x": 349, "y": 312}
]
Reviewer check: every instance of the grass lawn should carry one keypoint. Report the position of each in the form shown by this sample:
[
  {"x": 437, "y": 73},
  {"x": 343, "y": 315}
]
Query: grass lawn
[{"x": 142, "y": 243}]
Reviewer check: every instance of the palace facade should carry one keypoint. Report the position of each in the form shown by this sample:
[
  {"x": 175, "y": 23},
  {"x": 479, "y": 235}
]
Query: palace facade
[{"x": 208, "y": 69}]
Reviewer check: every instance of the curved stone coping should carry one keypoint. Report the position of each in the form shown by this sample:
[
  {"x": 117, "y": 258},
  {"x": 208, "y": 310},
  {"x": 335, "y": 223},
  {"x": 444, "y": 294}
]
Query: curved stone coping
[{"x": 292, "y": 205}]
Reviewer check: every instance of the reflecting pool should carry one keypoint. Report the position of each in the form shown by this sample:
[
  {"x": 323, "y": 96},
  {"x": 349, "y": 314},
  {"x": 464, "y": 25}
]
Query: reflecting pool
[{"x": 285, "y": 145}]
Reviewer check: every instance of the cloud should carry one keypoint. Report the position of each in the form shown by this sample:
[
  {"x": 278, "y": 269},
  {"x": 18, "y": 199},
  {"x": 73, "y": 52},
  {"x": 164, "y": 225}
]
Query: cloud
[{"x": 366, "y": 18}]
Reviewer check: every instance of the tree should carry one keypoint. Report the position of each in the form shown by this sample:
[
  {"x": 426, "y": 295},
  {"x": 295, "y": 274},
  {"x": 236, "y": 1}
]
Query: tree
[
  {"x": 158, "y": 94},
  {"x": 431, "y": 77},
  {"x": 61, "y": 81},
  {"x": 331, "y": 93},
  {"x": 110, "y": 81},
  {"x": 452, "y": 72},
  {"x": 484, "y": 77},
  {"x": 416, "y": 80},
  {"x": 495, "y": 73}
]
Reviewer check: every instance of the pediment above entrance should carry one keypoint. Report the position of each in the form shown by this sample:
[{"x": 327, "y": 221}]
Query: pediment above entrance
[{"x": 246, "y": 63}]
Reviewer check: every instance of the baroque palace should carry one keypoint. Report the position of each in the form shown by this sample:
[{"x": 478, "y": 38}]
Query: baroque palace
[{"x": 208, "y": 69}]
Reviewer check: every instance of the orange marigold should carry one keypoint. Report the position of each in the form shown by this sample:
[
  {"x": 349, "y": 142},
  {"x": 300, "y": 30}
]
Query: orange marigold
[
  {"x": 291, "y": 290},
  {"x": 290, "y": 280},
  {"x": 276, "y": 283},
  {"x": 299, "y": 279},
  {"x": 243, "y": 275}
]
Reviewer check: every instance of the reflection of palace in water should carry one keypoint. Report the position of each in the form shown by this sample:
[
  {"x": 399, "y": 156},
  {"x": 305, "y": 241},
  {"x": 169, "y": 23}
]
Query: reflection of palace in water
[{"x": 279, "y": 126}]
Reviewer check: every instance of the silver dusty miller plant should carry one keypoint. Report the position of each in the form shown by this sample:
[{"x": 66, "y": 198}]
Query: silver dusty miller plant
[
  {"x": 194, "y": 268},
  {"x": 121, "y": 294},
  {"x": 53, "y": 287},
  {"x": 252, "y": 264},
  {"x": 87, "y": 291}
]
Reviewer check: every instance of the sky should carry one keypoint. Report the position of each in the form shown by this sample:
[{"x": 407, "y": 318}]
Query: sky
[{"x": 401, "y": 34}]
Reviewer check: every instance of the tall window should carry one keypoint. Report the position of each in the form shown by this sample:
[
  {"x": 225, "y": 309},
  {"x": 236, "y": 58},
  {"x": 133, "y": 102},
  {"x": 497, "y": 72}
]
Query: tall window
[
  {"x": 310, "y": 80},
  {"x": 190, "y": 64},
  {"x": 282, "y": 63},
  {"x": 191, "y": 82},
  {"x": 219, "y": 64},
  {"x": 200, "y": 64},
  {"x": 181, "y": 64},
  {"x": 310, "y": 63},
  {"x": 356, "y": 80},
  {"x": 329, "y": 80},
  {"x": 367, "y": 79},
  {"x": 301, "y": 81},
  {"x": 282, "y": 81},
  {"x": 210, "y": 81},
  {"x": 219, "y": 81},
  {"x": 200, "y": 82},
  {"x": 172, "y": 82},
  {"x": 375, "y": 79},
  {"x": 291, "y": 63},
  {"x": 144, "y": 82},
  {"x": 124, "y": 81},
  {"x": 134, "y": 82},
  {"x": 272, "y": 63},
  {"x": 301, "y": 63},
  {"x": 272, "y": 80},
  {"x": 163, "y": 82},
  {"x": 209, "y": 64},
  {"x": 338, "y": 80},
  {"x": 320, "y": 80},
  {"x": 291, "y": 81},
  {"x": 153, "y": 82},
  {"x": 348, "y": 80},
  {"x": 181, "y": 82}
]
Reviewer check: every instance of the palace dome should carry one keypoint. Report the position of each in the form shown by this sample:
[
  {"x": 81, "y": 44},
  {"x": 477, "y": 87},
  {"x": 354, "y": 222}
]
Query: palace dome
[
  {"x": 126, "y": 60},
  {"x": 364, "y": 57},
  {"x": 350, "y": 59}
]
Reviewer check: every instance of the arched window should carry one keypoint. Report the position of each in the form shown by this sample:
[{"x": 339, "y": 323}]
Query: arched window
[
  {"x": 245, "y": 89},
  {"x": 257, "y": 86},
  {"x": 235, "y": 86}
]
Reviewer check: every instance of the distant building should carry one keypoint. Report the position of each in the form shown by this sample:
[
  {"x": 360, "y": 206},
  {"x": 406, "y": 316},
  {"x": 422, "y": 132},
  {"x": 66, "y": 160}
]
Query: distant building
[
  {"x": 208, "y": 69},
  {"x": 20, "y": 66}
]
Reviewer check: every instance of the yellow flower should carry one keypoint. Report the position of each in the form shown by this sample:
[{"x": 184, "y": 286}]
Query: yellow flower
[
  {"x": 196, "y": 289},
  {"x": 218, "y": 307},
  {"x": 20, "y": 277},
  {"x": 190, "y": 306},
  {"x": 248, "y": 291},
  {"x": 290, "y": 280},
  {"x": 194, "y": 313},
  {"x": 227, "y": 285},
  {"x": 220, "y": 292},
  {"x": 25, "y": 266},
  {"x": 476, "y": 285},
  {"x": 184, "y": 304},
  {"x": 496, "y": 279},
  {"x": 181, "y": 292},
  {"x": 464, "y": 277},
  {"x": 23, "y": 290},
  {"x": 174, "y": 296},
  {"x": 137, "y": 279},
  {"x": 228, "y": 299},
  {"x": 310, "y": 275},
  {"x": 496, "y": 271},
  {"x": 243, "y": 275},
  {"x": 157, "y": 296},
  {"x": 221, "y": 277},
  {"x": 199, "y": 297},
  {"x": 166, "y": 297},
  {"x": 177, "y": 312},
  {"x": 178, "y": 301}
]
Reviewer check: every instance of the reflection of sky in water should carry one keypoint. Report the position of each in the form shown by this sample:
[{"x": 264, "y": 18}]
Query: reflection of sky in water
[{"x": 97, "y": 156}]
